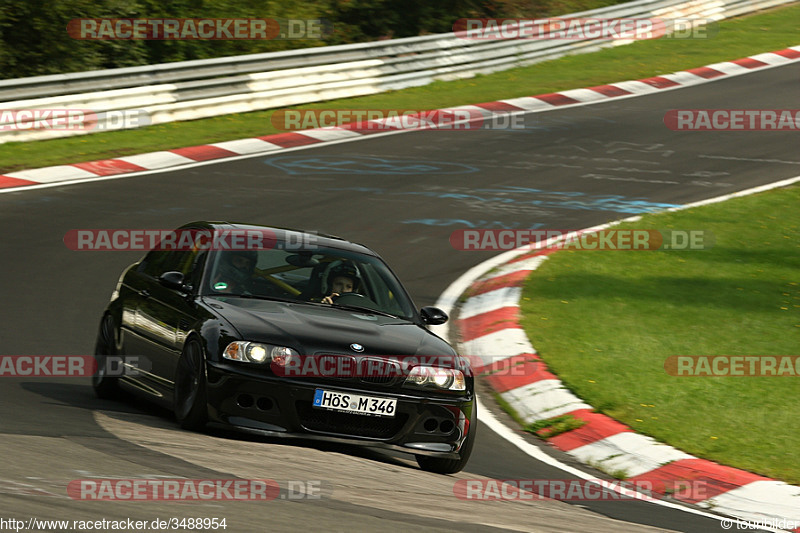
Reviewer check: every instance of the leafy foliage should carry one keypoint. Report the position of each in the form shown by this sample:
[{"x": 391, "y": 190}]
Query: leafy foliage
[{"x": 34, "y": 40}]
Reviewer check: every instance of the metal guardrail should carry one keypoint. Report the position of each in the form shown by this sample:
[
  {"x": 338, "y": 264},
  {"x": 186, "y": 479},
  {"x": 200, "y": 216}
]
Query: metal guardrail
[{"x": 212, "y": 87}]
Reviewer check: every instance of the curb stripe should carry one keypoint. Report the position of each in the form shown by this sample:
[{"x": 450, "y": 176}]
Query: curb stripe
[
  {"x": 637, "y": 87},
  {"x": 499, "y": 106},
  {"x": 204, "y": 152},
  {"x": 610, "y": 90},
  {"x": 7, "y": 181},
  {"x": 660, "y": 82},
  {"x": 490, "y": 301},
  {"x": 759, "y": 500},
  {"x": 556, "y": 99},
  {"x": 156, "y": 160},
  {"x": 50, "y": 174},
  {"x": 543, "y": 399},
  {"x": 749, "y": 62},
  {"x": 717, "y": 479},
  {"x": 684, "y": 78},
  {"x": 331, "y": 134},
  {"x": 516, "y": 372},
  {"x": 597, "y": 427},
  {"x": 526, "y": 265},
  {"x": 583, "y": 95},
  {"x": 536, "y": 253},
  {"x": 789, "y": 53},
  {"x": 491, "y": 322},
  {"x": 705, "y": 72},
  {"x": 628, "y": 452},
  {"x": 728, "y": 68},
  {"x": 528, "y": 103},
  {"x": 289, "y": 140},
  {"x": 247, "y": 146},
  {"x": 512, "y": 279},
  {"x": 499, "y": 346},
  {"x": 109, "y": 167}
]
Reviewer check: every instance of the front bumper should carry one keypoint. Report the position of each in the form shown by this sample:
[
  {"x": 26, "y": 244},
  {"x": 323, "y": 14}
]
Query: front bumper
[{"x": 424, "y": 424}]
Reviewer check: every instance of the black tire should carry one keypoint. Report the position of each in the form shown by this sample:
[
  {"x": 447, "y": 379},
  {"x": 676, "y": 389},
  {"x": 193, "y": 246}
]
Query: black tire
[
  {"x": 105, "y": 387},
  {"x": 439, "y": 465},
  {"x": 190, "y": 398}
]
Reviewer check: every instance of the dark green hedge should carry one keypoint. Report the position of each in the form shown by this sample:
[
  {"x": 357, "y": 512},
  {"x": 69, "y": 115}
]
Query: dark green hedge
[{"x": 34, "y": 39}]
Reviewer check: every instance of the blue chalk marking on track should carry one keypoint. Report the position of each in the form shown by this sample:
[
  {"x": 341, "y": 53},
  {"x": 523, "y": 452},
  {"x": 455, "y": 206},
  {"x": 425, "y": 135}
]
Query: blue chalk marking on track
[
  {"x": 541, "y": 199},
  {"x": 483, "y": 224},
  {"x": 315, "y": 164}
]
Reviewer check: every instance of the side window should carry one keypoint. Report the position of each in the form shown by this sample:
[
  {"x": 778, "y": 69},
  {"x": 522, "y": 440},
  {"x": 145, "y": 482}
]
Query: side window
[
  {"x": 153, "y": 263},
  {"x": 157, "y": 262}
]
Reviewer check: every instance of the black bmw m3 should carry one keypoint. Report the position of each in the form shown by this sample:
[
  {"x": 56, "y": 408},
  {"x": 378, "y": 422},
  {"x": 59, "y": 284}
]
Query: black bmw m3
[{"x": 284, "y": 333}]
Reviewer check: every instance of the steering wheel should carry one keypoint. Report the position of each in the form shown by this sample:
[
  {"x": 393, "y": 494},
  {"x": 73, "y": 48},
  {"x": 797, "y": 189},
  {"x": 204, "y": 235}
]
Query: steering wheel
[{"x": 355, "y": 298}]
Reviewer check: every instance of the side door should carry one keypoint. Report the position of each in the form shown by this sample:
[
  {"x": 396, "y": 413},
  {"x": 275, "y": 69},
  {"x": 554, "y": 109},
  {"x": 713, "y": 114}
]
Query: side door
[
  {"x": 136, "y": 340},
  {"x": 164, "y": 316}
]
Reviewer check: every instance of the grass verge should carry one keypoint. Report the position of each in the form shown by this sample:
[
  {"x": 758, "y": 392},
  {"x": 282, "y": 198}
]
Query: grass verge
[
  {"x": 772, "y": 30},
  {"x": 551, "y": 427},
  {"x": 606, "y": 322}
]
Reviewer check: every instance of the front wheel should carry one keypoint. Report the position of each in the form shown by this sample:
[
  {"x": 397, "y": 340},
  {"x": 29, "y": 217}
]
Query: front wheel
[
  {"x": 190, "y": 400},
  {"x": 451, "y": 466},
  {"x": 105, "y": 386}
]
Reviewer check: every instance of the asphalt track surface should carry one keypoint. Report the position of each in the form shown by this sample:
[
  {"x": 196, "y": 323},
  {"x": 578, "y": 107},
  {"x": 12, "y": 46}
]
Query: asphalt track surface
[{"x": 402, "y": 195}]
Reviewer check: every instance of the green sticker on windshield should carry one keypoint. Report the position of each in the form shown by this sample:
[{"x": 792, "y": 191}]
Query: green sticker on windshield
[{"x": 220, "y": 286}]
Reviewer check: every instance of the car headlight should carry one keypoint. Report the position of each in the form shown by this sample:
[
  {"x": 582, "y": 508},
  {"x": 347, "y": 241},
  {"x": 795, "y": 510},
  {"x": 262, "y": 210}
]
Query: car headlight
[
  {"x": 441, "y": 378},
  {"x": 256, "y": 352},
  {"x": 283, "y": 356}
]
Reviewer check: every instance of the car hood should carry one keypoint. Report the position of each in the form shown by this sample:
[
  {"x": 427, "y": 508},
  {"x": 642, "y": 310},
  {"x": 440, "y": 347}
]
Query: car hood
[{"x": 313, "y": 329}]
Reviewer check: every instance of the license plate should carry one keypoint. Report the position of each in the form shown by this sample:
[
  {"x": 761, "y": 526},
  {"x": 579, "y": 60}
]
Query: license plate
[{"x": 354, "y": 403}]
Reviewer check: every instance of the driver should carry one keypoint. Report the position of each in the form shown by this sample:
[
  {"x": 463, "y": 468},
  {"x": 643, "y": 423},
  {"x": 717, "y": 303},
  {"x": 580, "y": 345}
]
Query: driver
[
  {"x": 235, "y": 271},
  {"x": 342, "y": 279}
]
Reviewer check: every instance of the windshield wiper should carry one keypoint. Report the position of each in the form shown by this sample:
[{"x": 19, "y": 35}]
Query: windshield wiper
[
  {"x": 365, "y": 310},
  {"x": 258, "y": 297}
]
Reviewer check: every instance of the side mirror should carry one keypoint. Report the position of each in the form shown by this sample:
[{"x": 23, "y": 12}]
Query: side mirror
[
  {"x": 174, "y": 280},
  {"x": 433, "y": 316}
]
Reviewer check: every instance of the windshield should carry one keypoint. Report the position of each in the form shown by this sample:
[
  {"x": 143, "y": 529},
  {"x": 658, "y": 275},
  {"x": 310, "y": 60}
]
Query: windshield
[{"x": 322, "y": 276}]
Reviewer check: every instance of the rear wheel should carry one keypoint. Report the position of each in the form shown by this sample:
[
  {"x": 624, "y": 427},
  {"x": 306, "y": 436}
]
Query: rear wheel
[
  {"x": 105, "y": 386},
  {"x": 190, "y": 400},
  {"x": 439, "y": 465}
]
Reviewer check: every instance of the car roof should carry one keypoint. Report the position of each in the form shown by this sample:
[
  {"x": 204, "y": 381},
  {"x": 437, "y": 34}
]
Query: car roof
[{"x": 284, "y": 234}]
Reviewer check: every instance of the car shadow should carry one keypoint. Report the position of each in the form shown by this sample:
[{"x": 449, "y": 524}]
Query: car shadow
[{"x": 82, "y": 396}]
